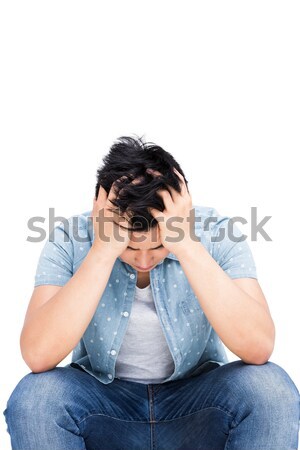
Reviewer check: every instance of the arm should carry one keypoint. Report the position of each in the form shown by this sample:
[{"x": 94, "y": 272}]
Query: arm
[
  {"x": 53, "y": 327},
  {"x": 242, "y": 321},
  {"x": 51, "y": 331},
  {"x": 236, "y": 309}
]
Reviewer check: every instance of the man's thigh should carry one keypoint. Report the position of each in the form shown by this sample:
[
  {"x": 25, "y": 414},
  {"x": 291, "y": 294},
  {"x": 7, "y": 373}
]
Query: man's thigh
[{"x": 236, "y": 401}]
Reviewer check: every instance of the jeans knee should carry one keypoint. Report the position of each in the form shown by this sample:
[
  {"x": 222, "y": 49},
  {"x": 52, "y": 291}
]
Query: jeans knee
[
  {"x": 33, "y": 396},
  {"x": 267, "y": 385},
  {"x": 282, "y": 386}
]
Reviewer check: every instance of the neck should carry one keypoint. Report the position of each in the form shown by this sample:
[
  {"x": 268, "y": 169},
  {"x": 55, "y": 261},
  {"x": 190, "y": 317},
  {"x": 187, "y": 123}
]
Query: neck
[{"x": 143, "y": 279}]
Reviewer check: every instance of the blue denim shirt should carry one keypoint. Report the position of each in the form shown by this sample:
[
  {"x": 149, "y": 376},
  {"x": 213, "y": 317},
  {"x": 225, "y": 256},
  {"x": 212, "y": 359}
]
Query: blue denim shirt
[{"x": 192, "y": 341}]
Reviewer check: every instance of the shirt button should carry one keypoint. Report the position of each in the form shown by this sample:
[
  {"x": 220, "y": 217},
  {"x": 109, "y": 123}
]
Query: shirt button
[
  {"x": 113, "y": 352},
  {"x": 125, "y": 314},
  {"x": 132, "y": 276},
  {"x": 109, "y": 376}
]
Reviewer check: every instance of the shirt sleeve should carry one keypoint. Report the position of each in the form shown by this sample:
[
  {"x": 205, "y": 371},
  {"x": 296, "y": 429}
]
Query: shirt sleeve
[
  {"x": 55, "y": 264},
  {"x": 232, "y": 251}
]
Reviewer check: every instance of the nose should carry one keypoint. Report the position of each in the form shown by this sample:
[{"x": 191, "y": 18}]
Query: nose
[{"x": 144, "y": 260}]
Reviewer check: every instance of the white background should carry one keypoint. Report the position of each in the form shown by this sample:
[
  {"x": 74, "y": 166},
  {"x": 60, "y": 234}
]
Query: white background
[{"x": 214, "y": 83}]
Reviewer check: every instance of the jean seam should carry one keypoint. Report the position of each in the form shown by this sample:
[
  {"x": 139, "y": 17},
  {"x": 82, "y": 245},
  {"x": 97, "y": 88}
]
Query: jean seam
[
  {"x": 111, "y": 417},
  {"x": 158, "y": 421},
  {"x": 200, "y": 410}
]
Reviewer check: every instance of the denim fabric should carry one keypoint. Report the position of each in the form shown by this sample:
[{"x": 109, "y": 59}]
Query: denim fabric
[
  {"x": 234, "y": 407},
  {"x": 191, "y": 339}
]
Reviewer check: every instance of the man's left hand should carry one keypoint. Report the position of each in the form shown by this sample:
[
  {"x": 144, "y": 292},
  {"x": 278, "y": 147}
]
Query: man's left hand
[{"x": 177, "y": 220}]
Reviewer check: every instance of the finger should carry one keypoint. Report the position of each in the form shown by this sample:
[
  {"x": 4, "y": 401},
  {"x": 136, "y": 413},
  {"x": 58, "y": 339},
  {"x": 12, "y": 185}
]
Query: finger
[
  {"x": 137, "y": 180},
  {"x": 154, "y": 172},
  {"x": 181, "y": 182},
  {"x": 166, "y": 197},
  {"x": 113, "y": 192},
  {"x": 174, "y": 194},
  {"x": 113, "y": 189},
  {"x": 154, "y": 212},
  {"x": 102, "y": 195},
  {"x": 180, "y": 176},
  {"x": 183, "y": 187}
]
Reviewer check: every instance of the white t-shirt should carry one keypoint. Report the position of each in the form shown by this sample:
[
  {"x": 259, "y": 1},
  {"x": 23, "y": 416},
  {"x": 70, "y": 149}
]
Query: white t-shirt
[{"x": 144, "y": 356}]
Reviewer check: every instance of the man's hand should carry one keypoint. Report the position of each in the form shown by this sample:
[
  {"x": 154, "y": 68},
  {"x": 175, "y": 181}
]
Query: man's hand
[
  {"x": 109, "y": 237},
  {"x": 177, "y": 220}
]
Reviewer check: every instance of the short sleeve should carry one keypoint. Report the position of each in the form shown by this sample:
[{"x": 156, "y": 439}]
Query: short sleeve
[
  {"x": 55, "y": 264},
  {"x": 231, "y": 250}
]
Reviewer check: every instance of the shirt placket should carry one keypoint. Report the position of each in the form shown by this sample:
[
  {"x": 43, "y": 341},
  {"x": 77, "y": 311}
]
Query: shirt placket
[{"x": 160, "y": 302}]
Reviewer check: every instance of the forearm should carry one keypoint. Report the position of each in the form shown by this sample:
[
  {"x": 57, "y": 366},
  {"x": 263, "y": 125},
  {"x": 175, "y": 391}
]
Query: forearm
[
  {"x": 241, "y": 322},
  {"x": 57, "y": 326}
]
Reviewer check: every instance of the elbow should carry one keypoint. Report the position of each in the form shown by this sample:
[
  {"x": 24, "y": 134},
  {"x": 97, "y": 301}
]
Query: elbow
[
  {"x": 260, "y": 352},
  {"x": 39, "y": 369},
  {"x": 35, "y": 363},
  {"x": 27, "y": 355},
  {"x": 260, "y": 355},
  {"x": 37, "y": 366},
  {"x": 257, "y": 360}
]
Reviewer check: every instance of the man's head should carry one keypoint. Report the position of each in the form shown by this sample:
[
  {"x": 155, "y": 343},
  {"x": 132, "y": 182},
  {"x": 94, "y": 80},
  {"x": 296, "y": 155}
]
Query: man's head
[
  {"x": 136, "y": 193},
  {"x": 132, "y": 157}
]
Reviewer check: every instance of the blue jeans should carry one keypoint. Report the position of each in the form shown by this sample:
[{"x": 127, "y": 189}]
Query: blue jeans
[{"x": 234, "y": 407}]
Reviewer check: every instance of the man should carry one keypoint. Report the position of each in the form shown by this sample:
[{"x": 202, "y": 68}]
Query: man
[{"x": 145, "y": 294}]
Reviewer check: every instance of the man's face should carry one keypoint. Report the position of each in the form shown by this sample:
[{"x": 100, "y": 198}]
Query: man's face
[{"x": 144, "y": 250}]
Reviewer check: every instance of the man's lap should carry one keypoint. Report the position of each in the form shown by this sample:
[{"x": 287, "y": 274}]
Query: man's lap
[{"x": 195, "y": 411}]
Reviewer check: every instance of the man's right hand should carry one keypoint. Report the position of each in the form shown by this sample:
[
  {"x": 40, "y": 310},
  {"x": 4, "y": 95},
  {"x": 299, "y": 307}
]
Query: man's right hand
[{"x": 108, "y": 237}]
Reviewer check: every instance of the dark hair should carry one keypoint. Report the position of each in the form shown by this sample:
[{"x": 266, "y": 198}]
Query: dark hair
[{"x": 131, "y": 156}]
